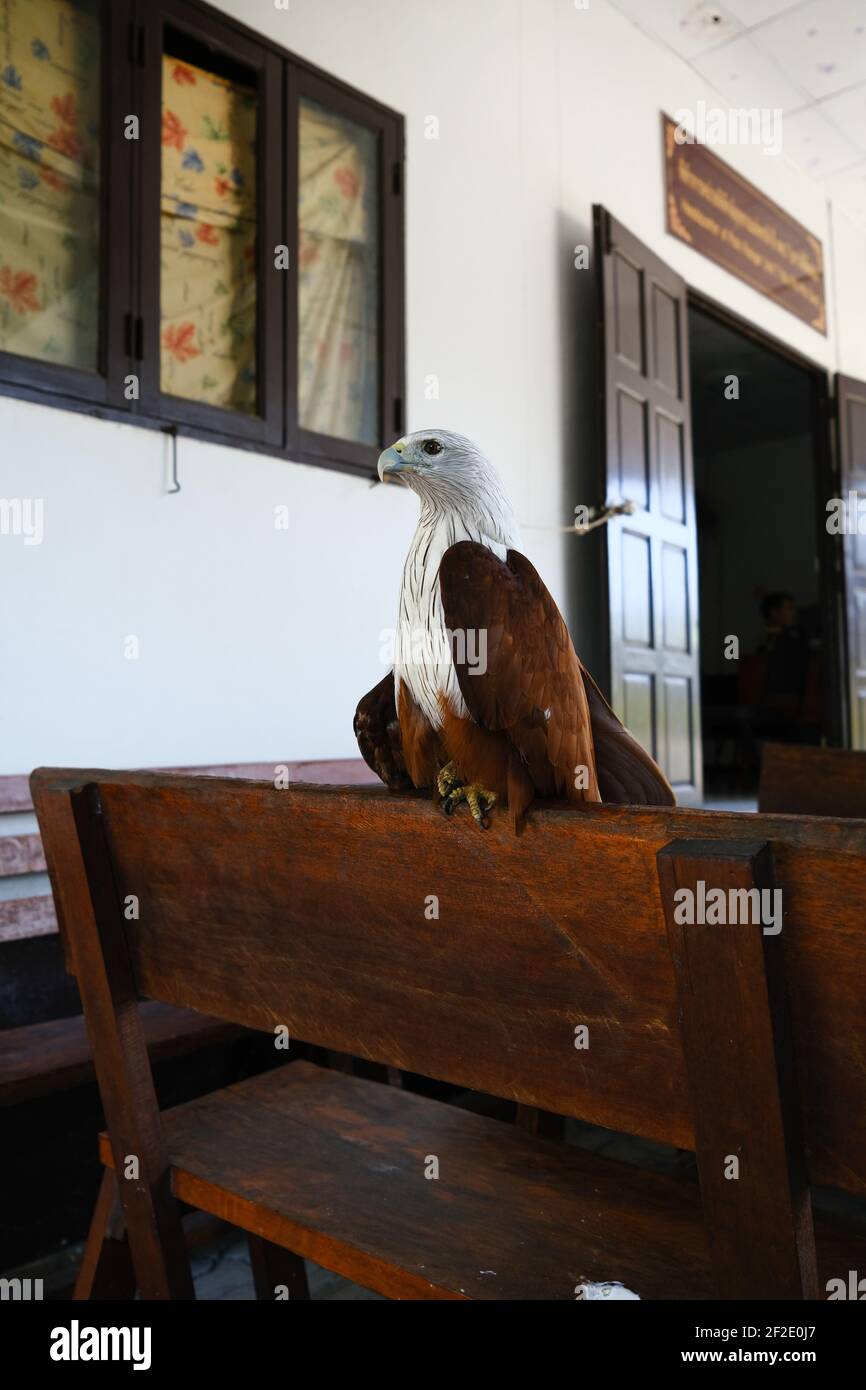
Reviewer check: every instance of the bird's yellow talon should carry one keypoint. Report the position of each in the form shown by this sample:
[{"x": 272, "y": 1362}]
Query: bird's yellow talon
[
  {"x": 479, "y": 800},
  {"x": 448, "y": 780}
]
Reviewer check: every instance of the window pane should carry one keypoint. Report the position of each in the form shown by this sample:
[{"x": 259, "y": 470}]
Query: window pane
[
  {"x": 208, "y": 237},
  {"x": 49, "y": 180},
  {"x": 338, "y": 279}
]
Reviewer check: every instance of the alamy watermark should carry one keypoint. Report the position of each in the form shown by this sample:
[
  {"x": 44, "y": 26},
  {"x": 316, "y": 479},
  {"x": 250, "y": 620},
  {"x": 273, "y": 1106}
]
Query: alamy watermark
[
  {"x": 421, "y": 646},
  {"x": 23, "y": 516},
  {"x": 732, "y": 125},
  {"x": 720, "y": 907},
  {"x": 21, "y": 1290},
  {"x": 846, "y": 516},
  {"x": 77, "y": 1343},
  {"x": 853, "y": 1288}
]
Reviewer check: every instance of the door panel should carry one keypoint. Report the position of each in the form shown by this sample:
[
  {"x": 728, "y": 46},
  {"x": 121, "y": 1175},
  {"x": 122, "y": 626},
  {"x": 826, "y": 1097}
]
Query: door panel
[
  {"x": 638, "y": 708},
  {"x": 652, "y": 553},
  {"x": 851, "y": 420}
]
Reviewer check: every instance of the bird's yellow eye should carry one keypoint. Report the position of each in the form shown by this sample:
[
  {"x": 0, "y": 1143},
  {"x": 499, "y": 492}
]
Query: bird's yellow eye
[{"x": 432, "y": 446}]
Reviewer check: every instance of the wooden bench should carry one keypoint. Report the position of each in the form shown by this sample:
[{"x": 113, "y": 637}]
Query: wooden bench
[
  {"x": 801, "y": 780},
  {"x": 52, "y": 1054},
  {"x": 310, "y": 909}
]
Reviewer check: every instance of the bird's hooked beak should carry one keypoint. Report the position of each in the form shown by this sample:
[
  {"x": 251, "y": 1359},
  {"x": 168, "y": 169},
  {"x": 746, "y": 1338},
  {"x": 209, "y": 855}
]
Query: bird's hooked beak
[{"x": 391, "y": 461}]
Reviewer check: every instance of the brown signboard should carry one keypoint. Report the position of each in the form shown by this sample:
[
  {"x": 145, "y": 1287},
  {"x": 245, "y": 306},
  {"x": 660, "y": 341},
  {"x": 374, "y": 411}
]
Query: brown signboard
[{"x": 719, "y": 213}]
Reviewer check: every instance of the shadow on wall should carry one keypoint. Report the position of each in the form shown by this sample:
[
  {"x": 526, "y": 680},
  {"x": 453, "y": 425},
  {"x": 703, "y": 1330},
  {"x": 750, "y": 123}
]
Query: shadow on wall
[{"x": 582, "y": 472}]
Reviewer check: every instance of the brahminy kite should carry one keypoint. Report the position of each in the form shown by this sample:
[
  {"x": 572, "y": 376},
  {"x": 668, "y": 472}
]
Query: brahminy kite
[{"x": 487, "y": 700}]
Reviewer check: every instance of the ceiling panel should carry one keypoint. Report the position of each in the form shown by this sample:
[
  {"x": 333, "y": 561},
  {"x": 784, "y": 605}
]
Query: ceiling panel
[
  {"x": 847, "y": 112},
  {"x": 752, "y": 12},
  {"x": 820, "y": 45},
  {"x": 816, "y": 144},
  {"x": 747, "y": 77}
]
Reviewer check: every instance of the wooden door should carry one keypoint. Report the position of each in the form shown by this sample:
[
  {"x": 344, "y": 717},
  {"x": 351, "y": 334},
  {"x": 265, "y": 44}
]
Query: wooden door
[
  {"x": 851, "y": 423},
  {"x": 652, "y": 553}
]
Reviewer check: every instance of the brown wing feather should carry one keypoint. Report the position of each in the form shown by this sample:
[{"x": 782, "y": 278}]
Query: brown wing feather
[
  {"x": 422, "y": 748},
  {"x": 532, "y": 687},
  {"x": 626, "y": 772},
  {"x": 377, "y": 730}
]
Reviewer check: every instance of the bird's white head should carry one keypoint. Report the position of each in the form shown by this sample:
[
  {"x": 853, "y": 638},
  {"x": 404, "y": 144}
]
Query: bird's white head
[{"x": 451, "y": 474}]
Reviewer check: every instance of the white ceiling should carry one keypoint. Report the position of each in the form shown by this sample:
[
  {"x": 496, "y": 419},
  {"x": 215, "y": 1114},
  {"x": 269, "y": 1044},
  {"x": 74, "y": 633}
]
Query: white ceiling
[{"x": 807, "y": 57}]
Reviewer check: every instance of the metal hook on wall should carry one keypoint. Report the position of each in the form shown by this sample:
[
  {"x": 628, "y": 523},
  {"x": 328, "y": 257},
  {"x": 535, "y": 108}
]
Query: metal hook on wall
[{"x": 171, "y": 430}]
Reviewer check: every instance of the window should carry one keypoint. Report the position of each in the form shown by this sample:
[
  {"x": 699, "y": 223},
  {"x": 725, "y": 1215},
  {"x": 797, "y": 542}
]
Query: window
[
  {"x": 346, "y": 305},
  {"x": 57, "y": 122},
  {"x": 49, "y": 177},
  {"x": 338, "y": 279},
  {"x": 208, "y": 236},
  {"x": 197, "y": 231}
]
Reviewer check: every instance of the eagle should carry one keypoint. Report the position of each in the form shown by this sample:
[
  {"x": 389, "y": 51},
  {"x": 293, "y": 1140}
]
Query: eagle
[{"x": 487, "y": 700}]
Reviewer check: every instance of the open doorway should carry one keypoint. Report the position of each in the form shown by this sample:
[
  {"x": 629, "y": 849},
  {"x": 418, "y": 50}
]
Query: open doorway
[{"x": 762, "y": 564}]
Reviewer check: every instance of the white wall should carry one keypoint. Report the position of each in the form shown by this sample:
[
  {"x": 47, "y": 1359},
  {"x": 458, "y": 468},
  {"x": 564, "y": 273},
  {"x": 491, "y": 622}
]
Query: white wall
[{"x": 256, "y": 644}]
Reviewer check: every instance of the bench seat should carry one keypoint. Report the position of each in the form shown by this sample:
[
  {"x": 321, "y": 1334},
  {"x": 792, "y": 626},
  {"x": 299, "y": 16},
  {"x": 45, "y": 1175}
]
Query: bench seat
[
  {"x": 333, "y": 1168},
  {"x": 52, "y": 1056}
]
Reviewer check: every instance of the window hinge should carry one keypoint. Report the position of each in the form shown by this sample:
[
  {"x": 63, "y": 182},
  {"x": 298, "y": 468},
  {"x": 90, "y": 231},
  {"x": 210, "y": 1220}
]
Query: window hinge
[{"x": 397, "y": 178}]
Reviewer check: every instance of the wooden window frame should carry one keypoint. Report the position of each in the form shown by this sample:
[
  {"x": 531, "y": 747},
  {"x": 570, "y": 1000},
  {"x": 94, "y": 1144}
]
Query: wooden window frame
[
  {"x": 30, "y": 377},
  {"x": 309, "y": 446},
  {"x": 266, "y": 425},
  {"x": 130, "y": 183}
]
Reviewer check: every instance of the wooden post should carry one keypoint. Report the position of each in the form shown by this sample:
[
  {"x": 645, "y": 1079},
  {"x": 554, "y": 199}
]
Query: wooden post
[
  {"x": 272, "y": 1265},
  {"x": 120, "y": 1057},
  {"x": 738, "y": 1052},
  {"x": 106, "y": 1270}
]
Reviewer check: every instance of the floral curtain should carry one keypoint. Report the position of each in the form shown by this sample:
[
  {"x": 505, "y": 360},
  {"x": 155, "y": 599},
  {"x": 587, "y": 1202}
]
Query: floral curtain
[
  {"x": 338, "y": 277},
  {"x": 208, "y": 237},
  {"x": 49, "y": 177}
]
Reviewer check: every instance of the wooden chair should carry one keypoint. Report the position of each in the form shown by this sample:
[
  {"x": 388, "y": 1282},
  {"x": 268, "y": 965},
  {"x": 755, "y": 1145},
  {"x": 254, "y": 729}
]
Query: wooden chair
[
  {"x": 365, "y": 923},
  {"x": 800, "y": 780}
]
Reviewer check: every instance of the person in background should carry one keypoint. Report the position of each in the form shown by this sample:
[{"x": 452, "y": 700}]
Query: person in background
[{"x": 787, "y": 651}]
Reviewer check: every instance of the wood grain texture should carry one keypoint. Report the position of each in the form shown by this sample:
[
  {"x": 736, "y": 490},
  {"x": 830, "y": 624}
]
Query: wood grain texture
[
  {"x": 88, "y": 902},
  {"x": 332, "y": 1167},
  {"x": 799, "y": 780},
  {"x": 106, "y": 1270},
  {"x": 736, "y": 1034},
  {"x": 306, "y": 907}
]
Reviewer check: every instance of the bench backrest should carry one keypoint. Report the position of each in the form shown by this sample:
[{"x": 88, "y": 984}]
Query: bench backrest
[
  {"x": 800, "y": 780},
  {"x": 369, "y": 924},
  {"x": 30, "y": 912}
]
